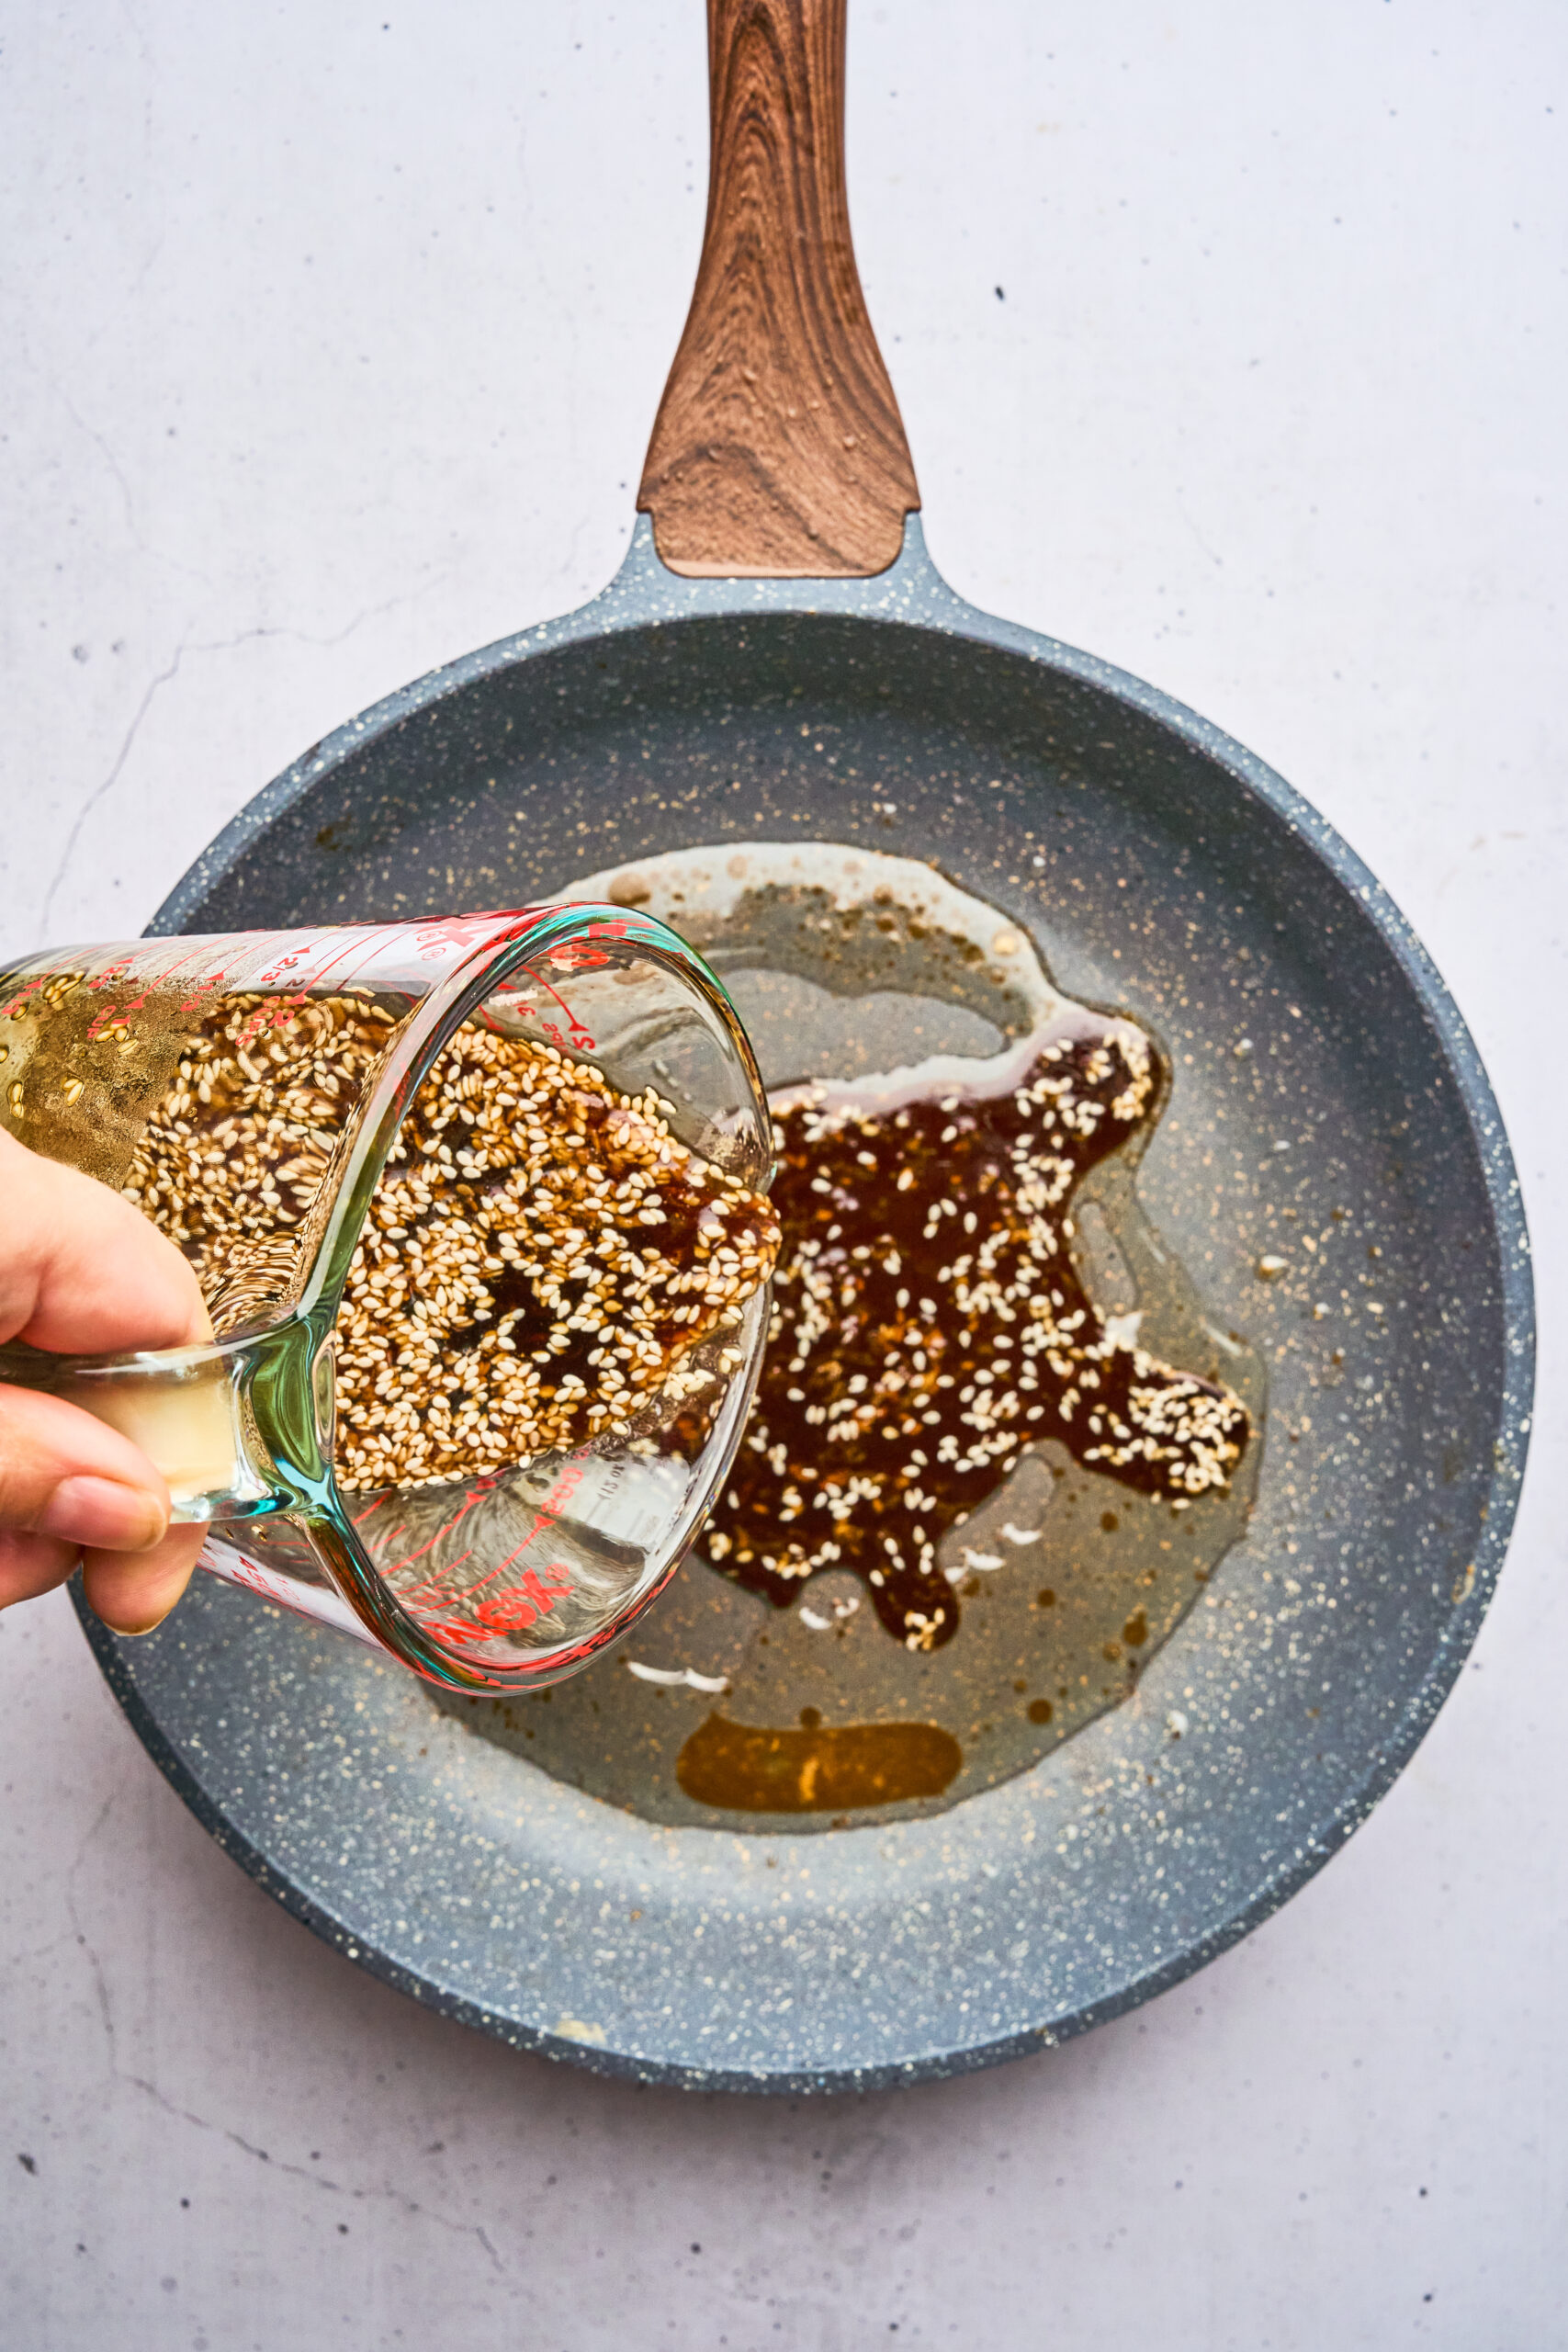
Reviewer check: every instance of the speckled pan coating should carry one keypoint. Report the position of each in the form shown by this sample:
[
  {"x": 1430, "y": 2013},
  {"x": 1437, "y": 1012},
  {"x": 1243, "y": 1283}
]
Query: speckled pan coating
[{"x": 670, "y": 712}]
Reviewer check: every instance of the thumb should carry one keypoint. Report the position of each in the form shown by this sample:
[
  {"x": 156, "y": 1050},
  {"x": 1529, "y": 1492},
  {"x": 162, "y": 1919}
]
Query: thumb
[
  {"x": 71, "y": 1487},
  {"x": 66, "y": 1475},
  {"x": 82, "y": 1272}
]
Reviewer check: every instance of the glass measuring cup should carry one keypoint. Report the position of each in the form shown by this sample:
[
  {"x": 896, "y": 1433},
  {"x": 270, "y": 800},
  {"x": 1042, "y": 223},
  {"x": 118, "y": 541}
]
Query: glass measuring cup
[{"x": 499, "y": 1577}]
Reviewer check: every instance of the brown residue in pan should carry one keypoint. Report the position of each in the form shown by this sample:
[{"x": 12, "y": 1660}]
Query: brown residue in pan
[{"x": 745, "y": 1767}]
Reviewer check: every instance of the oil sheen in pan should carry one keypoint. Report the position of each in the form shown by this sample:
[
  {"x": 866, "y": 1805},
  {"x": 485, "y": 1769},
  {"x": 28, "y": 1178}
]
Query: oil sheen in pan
[{"x": 846, "y": 965}]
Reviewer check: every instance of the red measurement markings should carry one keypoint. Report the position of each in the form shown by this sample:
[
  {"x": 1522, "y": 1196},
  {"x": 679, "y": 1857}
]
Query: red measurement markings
[
  {"x": 351, "y": 946},
  {"x": 567, "y": 1481},
  {"x": 237, "y": 1570},
  {"x": 213, "y": 985},
  {"x": 585, "y": 955},
  {"x": 97, "y": 982},
  {"x": 109, "y": 978},
  {"x": 273, "y": 1014},
  {"x": 572, "y": 955},
  {"x": 518, "y": 1012},
  {"x": 443, "y": 933},
  {"x": 494, "y": 927},
  {"x": 522, "y": 1603},
  {"x": 579, "y": 1035},
  {"x": 480, "y": 1488},
  {"x": 564, "y": 1486},
  {"x": 159, "y": 978},
  {"x": 108, "y": 973},
  {"x": 498, "y": 1611},
  {"x": 18, "y": 1003}
]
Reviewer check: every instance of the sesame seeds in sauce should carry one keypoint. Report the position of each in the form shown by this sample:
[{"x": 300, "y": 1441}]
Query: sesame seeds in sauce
[
  {"x": 540, "y": 1254},
  {"x": 929, "y": 1325}
]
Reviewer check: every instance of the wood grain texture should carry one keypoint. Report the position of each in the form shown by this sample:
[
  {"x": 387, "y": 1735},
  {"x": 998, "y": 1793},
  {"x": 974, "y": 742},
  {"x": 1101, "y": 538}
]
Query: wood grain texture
[{"x": 778, "y": 451}]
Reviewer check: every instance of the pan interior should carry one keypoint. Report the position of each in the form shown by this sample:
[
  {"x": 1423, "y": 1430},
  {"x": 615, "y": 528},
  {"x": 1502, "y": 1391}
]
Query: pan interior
[
  {"x": 1313, "y": 1116},
  {"x": 848, "y": 965},
  {"x": 1326, "y": 1114}
]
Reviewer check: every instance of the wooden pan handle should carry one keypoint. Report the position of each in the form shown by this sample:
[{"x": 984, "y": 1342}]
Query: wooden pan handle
[{"x": 778, "y": 452}]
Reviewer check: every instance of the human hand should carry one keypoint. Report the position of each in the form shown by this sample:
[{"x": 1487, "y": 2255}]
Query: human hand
[{"x": 82, "y": 1272}]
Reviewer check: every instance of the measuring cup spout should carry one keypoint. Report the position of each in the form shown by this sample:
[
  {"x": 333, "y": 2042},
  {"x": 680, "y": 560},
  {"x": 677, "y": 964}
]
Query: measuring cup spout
[{"x": 198, "y": 1414}]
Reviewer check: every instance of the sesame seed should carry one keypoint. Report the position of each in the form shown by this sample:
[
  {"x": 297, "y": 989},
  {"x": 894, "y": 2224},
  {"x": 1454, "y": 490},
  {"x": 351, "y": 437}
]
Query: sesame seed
[
  {"x": 489, "y": 1279},
  {"x": 855, "y": 1367}
]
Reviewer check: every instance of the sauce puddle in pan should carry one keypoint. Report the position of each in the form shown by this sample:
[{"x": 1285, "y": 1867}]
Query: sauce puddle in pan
[{"x": 998, "y": 1449}]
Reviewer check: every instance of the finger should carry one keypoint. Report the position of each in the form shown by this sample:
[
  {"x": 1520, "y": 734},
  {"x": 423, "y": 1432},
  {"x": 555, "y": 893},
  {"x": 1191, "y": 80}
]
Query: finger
[
  {"x": 65, "y": 1475},
  {"x": 84, "y": 1272},
  {"x": 32, "y": 1564},
  {"x": 134, "y": 1593}
]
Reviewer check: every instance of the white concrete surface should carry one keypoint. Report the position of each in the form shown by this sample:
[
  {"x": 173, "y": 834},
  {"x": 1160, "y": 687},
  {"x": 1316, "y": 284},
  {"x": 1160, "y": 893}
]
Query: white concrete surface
[{"x": 331, "y": 341}]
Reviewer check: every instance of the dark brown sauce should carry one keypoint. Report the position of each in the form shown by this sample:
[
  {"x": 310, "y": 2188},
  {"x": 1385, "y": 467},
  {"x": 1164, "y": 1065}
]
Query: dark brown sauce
[
  {"x": 930, "y": 1324},
  {"x": 745, "y": 1768},
  {"x": 854, "y": 985}
]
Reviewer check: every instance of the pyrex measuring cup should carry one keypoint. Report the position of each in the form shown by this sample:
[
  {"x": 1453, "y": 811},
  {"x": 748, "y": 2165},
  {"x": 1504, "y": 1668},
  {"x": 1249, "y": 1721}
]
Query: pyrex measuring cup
[{"x": 506, "y": 1574}]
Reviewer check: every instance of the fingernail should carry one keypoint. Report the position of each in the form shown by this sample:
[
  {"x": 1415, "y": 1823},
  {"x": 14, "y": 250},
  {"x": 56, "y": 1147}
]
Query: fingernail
[
  {"x": 103, "y": 1515},
  {"x": 134, "y": 1633}
]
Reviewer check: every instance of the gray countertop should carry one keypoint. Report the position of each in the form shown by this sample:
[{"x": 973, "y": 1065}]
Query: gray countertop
[{"x": 1230, "y": 344}]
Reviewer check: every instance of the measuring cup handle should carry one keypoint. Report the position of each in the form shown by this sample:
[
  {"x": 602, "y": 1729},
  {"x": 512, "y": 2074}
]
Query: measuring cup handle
[
  {"x": 778, "y": 452},
  {"x": 239, "y": 1429}
]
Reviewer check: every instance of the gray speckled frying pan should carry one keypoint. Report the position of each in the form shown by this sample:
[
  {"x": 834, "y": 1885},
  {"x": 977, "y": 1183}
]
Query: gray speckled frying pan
[{"x": 779, "y": 663}]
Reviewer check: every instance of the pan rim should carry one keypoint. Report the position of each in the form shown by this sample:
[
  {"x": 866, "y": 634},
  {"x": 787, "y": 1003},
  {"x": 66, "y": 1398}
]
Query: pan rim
[{"x": 913, "y": 593}]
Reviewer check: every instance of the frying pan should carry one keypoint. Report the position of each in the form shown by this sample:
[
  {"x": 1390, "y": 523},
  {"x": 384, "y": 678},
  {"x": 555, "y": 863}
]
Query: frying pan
[{"x": 778, "y": 661}]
